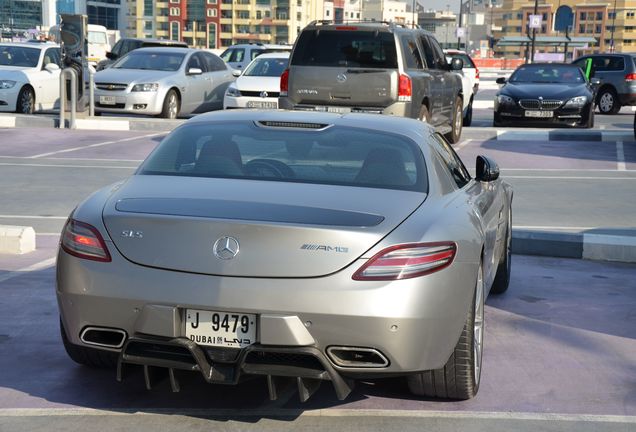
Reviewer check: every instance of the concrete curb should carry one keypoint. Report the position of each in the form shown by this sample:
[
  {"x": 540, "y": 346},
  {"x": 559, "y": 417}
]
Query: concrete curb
[
  {"x": 592, "y": 246},
  {"x": 90, "y": 123},
  {"x": 16, "y": 240},
  {"x": 491, "y": 133}
]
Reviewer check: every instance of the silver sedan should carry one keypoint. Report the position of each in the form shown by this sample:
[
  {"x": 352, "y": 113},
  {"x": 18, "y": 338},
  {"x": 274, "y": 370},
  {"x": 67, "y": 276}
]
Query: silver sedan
[
  {"x": 163, "y": 81},
  {"x": 306, "y": 246}
]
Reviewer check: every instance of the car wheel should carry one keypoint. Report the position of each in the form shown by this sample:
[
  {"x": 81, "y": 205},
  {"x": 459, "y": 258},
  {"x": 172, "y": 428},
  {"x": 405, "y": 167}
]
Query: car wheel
[
  {"x": 170, "y": 106},
  {"x": 26, "y": 101},
  {"x": 456, "y": 125},
  {"x": 459, "y": 378},
  {"x": 607, "y": 101},
  {"x": 468, "y": 118},
  {"x": 88, "y": 356},
  {"x": 502, "y": 277},
  {"x": 425, "y": 115}
]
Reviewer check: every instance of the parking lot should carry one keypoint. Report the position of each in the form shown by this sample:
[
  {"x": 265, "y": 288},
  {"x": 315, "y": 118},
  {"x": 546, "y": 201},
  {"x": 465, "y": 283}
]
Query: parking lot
[{"x": 560, "y": 345}]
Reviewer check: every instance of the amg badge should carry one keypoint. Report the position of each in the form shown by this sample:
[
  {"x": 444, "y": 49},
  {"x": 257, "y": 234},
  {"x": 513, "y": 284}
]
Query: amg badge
[{"x": 325, "y": 248}]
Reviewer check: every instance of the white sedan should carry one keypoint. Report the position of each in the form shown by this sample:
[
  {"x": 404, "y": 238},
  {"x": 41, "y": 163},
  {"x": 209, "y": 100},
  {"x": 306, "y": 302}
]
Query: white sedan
[
  {"x": 29, "y": 77},
  {"x": 259, "y": 85}
]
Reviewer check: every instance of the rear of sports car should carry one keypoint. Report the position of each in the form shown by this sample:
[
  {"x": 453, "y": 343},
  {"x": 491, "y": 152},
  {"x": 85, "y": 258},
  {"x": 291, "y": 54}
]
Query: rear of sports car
[{"x": 282, "y": 249}]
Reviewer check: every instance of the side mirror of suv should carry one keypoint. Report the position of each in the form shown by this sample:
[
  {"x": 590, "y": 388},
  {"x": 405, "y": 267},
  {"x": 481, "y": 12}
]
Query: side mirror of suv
[
  {"x": 457, "y": 64},
  {"x": 595, "y": 82}
]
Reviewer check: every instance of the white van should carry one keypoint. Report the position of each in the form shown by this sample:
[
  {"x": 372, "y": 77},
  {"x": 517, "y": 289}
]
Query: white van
[{"x": 97, "y": 38}]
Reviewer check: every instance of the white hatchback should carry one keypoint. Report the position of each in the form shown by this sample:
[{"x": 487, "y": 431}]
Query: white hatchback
[
  {"x": 470, "y": 81},
  {"x": 29, "y": 77},
  {"x": 259, "y": 85}
]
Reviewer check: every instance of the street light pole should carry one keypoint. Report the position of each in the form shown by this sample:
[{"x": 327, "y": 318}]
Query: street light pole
[
  {"x": 461, "y": 8},
  {"x": 534, "y": 31},
  {"x": 613, "y": 26}
]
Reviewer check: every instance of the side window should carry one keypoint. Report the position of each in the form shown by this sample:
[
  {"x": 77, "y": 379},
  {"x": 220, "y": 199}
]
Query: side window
[
  {"x": 213, "y": 63},
  {"x": 440, "y": 58},
  {"x": 195, "y": 62},
  {"x": 429, "y": 54},
  {"x": 255, "y": 53},
  {"x": 412, "y": 57},
  {"x": 580, "y": 63},
  {"x": 117, "y": 47},
  {"x": 453, "y": 163},
  {"x": 616, "y": 64},
  {"x": 52, "y": 55}
]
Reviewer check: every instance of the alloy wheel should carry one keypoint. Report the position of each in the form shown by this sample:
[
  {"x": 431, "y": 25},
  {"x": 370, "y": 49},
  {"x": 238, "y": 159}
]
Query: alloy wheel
[
  {"x": 172, "y": 106},
  {"x": 478, "y": 326},
  {"x": 26, "y": 102},
  {"x": 606, "y": 102}
]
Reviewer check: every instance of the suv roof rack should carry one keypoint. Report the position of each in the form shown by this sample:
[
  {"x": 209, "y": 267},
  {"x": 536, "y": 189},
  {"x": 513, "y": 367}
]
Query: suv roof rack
[{"x": 390, "y": 24}]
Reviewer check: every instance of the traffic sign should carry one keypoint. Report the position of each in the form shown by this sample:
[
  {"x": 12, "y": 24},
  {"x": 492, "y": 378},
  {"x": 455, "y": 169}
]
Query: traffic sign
[{"x": 535, "y": 21}]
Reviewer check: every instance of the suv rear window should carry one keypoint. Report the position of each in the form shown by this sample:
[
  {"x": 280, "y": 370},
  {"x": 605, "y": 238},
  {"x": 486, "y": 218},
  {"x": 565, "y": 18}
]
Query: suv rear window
[{"x": 338, "y": 48}]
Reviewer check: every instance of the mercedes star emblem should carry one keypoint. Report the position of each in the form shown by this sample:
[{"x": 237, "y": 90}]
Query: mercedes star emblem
[
  {"x": 226, "y": 248},
  {"x": 264, "y": 94},
  {"x": 341, "y": 78}
]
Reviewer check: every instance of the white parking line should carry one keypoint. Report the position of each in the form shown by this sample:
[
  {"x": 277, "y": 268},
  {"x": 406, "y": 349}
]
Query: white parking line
[
  {"x": 41, "y": 155},
  {"x": 34, "y": 267},
  {"x": 463, "y": 144},
  {"x": 569, "y": 178},
  {"x": 620, "y": 156},
  {"x": 555, "y": 228},
  {"x": 32, "y": 217},
  {"x": 65, "y": 166}
]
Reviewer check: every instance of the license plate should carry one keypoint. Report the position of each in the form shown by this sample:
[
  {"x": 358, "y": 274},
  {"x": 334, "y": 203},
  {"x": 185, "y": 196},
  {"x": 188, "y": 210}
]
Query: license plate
[
  {"x": 220, "y": 329},
  {"x": 539, "y": 114},
  {"x": 262, "y": 104},
  {"x": 107, "y": 100},
  {"x": 339, "y": 110}
]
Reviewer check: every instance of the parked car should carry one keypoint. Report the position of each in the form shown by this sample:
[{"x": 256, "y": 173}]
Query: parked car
[
  {"x": 617, "y": 75},
  {"x": 374, "y": 68},
  {"x": 470, "y": 81},
  {"x": 240, "y": 55},
  {"x": 545, "y": 94},
  {"x": 226, "y": 254},
  {"x": 29, "y": 76},
  {"x": 163, "y": 81},
  {"x": 125, "y": 45},
  {"x": 258, "y": 85}
]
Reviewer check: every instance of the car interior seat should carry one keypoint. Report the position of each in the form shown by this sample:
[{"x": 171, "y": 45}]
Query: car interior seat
[{"x": 384, "y": 166}]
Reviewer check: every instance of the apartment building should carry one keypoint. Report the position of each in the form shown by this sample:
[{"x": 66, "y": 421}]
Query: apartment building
[{"x": 612, "y": 23}]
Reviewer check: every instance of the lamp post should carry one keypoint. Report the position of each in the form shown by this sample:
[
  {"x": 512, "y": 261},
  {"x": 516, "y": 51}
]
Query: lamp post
[
  {"x": 613, "y": 26},
  {"x": 534, "y": 31},
  {"x": 461, "y": 8},
  {"x": 413, "y": 25}
]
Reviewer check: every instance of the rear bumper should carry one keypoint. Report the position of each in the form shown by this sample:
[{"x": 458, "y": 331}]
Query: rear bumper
[
  {"x": 561, "y": 116},
  {"x": 627, "y": 98},
  {"x": 131, "y": 102},
  {"x": 401, "y": 109}
]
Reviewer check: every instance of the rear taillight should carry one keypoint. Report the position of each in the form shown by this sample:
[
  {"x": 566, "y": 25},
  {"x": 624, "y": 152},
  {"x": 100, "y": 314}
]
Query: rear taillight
[
  {"x": 405, "y": 91},
  {"x": 284, "y": 82},
  {"x": 84, "y": 241},
  {"x": 630, "y": 77},
  {"x": 407, "y": 261},
  {"x": 476, "y": 73}
]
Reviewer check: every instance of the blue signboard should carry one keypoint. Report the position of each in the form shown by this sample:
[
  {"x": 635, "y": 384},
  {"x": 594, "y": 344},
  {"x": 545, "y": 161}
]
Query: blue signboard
[{"x": 564, "y": 18}]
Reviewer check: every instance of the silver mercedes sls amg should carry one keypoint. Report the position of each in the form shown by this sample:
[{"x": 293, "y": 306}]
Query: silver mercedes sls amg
[{"x": 297, "y": 246}]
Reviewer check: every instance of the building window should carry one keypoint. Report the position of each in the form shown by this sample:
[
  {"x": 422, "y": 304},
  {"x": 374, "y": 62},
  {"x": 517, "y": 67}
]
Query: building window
[
  {"x": 148, "y": 25},
  {"x": 519, "y": 15},
  {"x": 259, "y": 14},
  {"x": 174, "y": 11},
  {"x": 582, "y": 16},
  {"x": 611, "y": 15},
  {"x": 106, "y": 16},
  {"x": 226, "y": 14},
  {"x": 226, "y": 28},
  {"x": 299, "y": 16},
  {"x": 630, "y": 14},
  {"x": 212, "y": 35},
  {"x": 148, "y": 9},
  {"x": 327, "y": 12},
  {"x": 212, "y": 12},
  {"x": 175, "y": 1},
  {"x": 598, "y": 28},
  {"x": 581, "y": 28},
  {"x": 599, "y": 16},
  {"x": 212, "y": 2},
  {"x": 174, "y": 31}
]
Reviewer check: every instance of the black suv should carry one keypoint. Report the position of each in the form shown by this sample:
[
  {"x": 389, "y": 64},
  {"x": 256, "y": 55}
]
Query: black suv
[
  {"x": 617, "y": 73},
  {"x": 125, "y": 45},
  {"x": 374, "y": 67}
]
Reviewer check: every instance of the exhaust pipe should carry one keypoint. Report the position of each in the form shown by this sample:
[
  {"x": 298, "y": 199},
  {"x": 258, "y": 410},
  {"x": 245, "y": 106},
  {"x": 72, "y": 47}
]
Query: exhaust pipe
[
  {"x": 353, "y": 357},
  {"x": 103, "y": 337}
]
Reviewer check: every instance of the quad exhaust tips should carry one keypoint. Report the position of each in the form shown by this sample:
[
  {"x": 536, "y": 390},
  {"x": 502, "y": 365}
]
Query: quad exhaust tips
[
  {"x": 352, "y": 357},
  {"x": 103, "y": 337}
]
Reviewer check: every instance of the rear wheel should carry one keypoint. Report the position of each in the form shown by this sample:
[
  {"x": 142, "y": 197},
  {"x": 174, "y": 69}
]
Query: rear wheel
[
  {"x": 88, "y": 356},
  {"x": 459, "y": 378},
  {"x": 456, "y": 124},
  {"x": 26, "y": 101},
  {"x": 607, "y": 101},
  {"x": 170, "y": 106}
]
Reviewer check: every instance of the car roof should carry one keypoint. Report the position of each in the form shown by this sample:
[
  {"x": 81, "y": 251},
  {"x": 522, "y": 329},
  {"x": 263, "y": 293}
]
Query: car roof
[
  {"x": 387, "y": 26},
  {"x": 39, "y": 45},
  {"x": 164, "y": 50},
  {"x": 153, "y": 40},
  {"x": 282, "y": 54},
  {"x": 261, "y": 45}
]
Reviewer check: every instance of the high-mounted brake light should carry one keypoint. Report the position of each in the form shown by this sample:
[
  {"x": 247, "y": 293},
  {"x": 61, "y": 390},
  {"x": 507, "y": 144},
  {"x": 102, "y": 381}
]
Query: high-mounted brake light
[
  {"x": 405, "y": 91},
  {"x": 630, "y": 77},
  {"x": 346, "y": 28},
  {"x": 407, "y": 261},
  {"x": 284, "y": 83},
  {"x": 84, "y": 241}
]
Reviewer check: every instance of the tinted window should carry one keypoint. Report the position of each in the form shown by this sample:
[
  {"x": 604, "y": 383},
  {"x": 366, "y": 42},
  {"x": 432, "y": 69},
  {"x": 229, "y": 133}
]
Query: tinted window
[
  {"x": 338, "y": 155},
  {"x": 213, "y": 62},
  {"x": 468, "y": 62},
  {"x": 196, "y": 62},
  {"x": 440, "y": 59},
  {"x": 52, "y": 55},
  {"x": 429, "y": 55},
  {"x": 19, "y": 56},
  {"x": 369, "y": 49},
  {"x": 233, "y": 55},
  {"x": 255, "y": 53},
  {"x": 269, "y": 67},
  {"x": 548, "y": 74},
  {"x": 117, "y": 47},
  {"x": 410, "y": 52},
  {"x": 453, "y": 163},
  {"x": 151, "y": 60}
]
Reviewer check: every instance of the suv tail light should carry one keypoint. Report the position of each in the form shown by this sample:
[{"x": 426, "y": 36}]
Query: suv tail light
[
  {"x": 407, "y": 261},
  {"x": 630, "y": 77},
  {"x": 284, "y": 82},
  {"x": 405, "y": 90},
  {"x": 476, "y": 73},
  {"x": 84, "y": 241}
]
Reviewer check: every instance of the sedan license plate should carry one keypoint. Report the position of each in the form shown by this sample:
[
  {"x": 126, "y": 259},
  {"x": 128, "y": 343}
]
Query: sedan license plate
[
  {"x": 220, "y": 329},
  {"x": 338, "y": 110},
  {"x": 262, "y": 104},
  {"x": 539, "y": 114},
  {"x": 107, "y": 100}
]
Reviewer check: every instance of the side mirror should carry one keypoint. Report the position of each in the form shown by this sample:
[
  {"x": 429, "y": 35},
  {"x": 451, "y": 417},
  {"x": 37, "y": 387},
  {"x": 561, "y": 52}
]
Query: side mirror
[
  {"x": 595, "y": 81},
  {"x": 457, "y": 64},
  {"x": 486, "y": 169},
  {"x": 111, "y": 56},
  {"x": 194, "y": 71},
  {"x": 501, "y": 80},
  {"x": 52, "y": 67},
  {"x": 236, "y": 73}
]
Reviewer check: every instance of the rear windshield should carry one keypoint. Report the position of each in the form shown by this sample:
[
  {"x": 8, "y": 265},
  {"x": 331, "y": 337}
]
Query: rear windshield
[
  {"x": 468, "y": 62},
  {"x": 337, "y": 48},
  {"x": 266, "y": 67},
  {"x": 337, "y": 155}
]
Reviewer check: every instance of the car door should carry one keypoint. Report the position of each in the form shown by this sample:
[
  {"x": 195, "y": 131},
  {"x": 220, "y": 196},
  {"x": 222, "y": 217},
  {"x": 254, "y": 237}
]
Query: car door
[
  {"x": 421, "y": 78},
  {"x": 218, "y": 76},
  {"x": 47, "y": 87},
  {"x": 438, "y": 113},
  {"x": 449, "y": 78},
  {"x": 196, "y": 85}
]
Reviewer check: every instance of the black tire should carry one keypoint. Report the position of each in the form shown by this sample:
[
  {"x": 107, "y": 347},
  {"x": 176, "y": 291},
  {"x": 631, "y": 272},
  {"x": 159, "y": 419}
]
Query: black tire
[
  {"x": 456, "y": 123},
  {"x": 607, "y": 101},
  {"x": 425, "y": 115},
  {"x": 468, "y": 117},
  {"x": 459, "y": 378},
  {"x": 91, "y": 357},
  {"x": 171, "y": 105},
  {"x": 502, "y": 277},
  {"x": 26, "y": 101}
]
